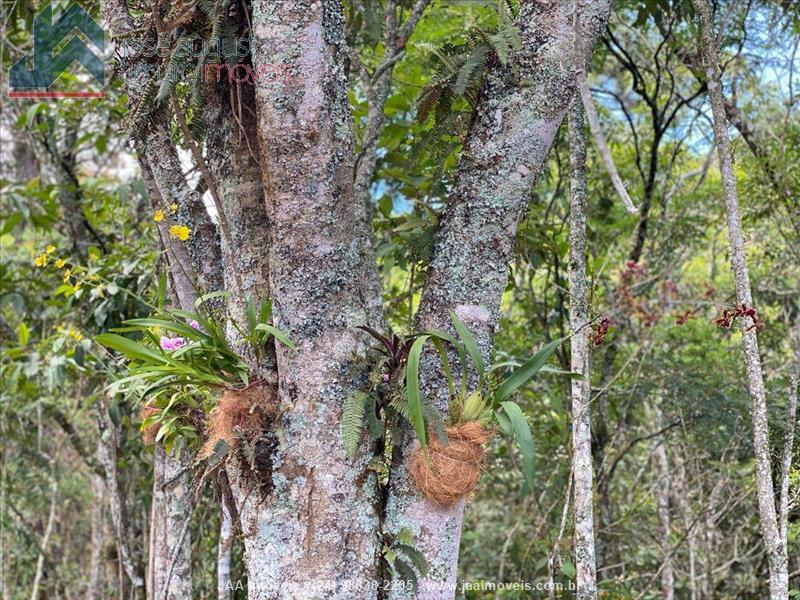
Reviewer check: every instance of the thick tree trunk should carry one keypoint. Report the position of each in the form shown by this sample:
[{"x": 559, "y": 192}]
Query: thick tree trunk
[
  {"x": 316, "y": 533},
  {"x": 586, "y": 577},
  {"x": 779, "y": 578},
  {"x": 515, "y": 124}
]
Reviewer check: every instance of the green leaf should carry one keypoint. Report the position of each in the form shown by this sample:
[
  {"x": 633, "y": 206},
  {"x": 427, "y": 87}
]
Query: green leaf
[
  {"x": 413, "y": 393},
  {"x": 406, "y": 574},
  {"x": 469, "y": 343},
  {"x": 415, "y": 556},
  {"x": 568, "y": 569},
  {"x": 526, "y": 372},
  {"x": 554, "y": 371},
  {"x": 277, "y": 334},
  {"x": 174, "y": 326},
  {"x": 251, "y": 314},
  {"x": 210, "y": 296},
  {"x": 523, "y": 437},
  {"x": 23, "y": 334},
  {"x": 133, "y": 349},
  {"x": 352, "y": 423}
]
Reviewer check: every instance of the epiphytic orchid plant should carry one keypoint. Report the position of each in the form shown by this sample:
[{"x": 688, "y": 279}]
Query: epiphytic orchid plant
[{"x": 182, "y": 358}]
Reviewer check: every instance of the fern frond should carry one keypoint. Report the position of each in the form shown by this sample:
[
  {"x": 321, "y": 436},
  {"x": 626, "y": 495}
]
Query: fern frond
[
  {"x": 178, "y": 59},
  {"x": 352, "y": 423},
  {"x": 471, "y": 71}
]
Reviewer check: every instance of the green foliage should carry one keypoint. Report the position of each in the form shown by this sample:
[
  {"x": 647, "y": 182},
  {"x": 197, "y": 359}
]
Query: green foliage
[
  {"x": 484, "y": 403},
  {"x": 183, "y": 370},
  {"x": 462, "y": 67},
  {"x": 404, "y": 560}
]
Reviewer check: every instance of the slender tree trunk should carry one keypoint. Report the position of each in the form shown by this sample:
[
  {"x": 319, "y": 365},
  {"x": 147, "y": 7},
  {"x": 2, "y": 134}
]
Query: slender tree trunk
[
  {"x": 95, "y": 581},
  {"x": 663, "y": 491},
  {"x": 505, "y": 150},
  {"x": 778, "y": 569},
  {"x": 579, "y": 317},
  {"x": 172, "y": 506},
  {"x": 48, "y": 531},
  {"x": 224, "y": 553},
  {"x": 108, "y": 459},
  {"x": 683, "y": 500},
  {"x": 5, "y": 594},
  {"x": 788, "y": 443}
]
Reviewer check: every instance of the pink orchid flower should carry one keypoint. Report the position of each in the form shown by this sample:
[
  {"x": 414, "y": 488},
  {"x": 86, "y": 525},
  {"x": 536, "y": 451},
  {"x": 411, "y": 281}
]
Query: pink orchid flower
[{"x": 172, "y": 343}]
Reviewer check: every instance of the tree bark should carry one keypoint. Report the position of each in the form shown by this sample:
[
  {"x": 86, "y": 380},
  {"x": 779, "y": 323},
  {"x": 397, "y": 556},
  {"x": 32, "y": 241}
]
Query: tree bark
[
  {"x": 172, "y": 549},
  {"x": 515, "y": 125},
  {"x": 107, "y": 451},
  {"x": 224, "y": 553},
  {"x": 788, "y": 441},
  {"x": 315, "y": 534},
  {"x": 586, "y": 577},
  {"x": 48, "y": 531},
  {"x": 95, "y": 581},
  {"x": 663, "y": 491},
  {"x": 779, "y": 578}
]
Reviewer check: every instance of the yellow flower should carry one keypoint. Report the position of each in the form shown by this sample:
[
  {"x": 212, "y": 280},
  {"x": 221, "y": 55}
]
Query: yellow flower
[
  {"x": 50, "y": 249},
  {"x": 179, "y": 231},
  {"x": 60, "y": 263},
  {"x": 75, "y": 335},
  {"x": 41, "y": 260},
  {"x": 158, "y": 216},
  {"x": 67, "y": 274},
  {"x": 173, "y": 208}
]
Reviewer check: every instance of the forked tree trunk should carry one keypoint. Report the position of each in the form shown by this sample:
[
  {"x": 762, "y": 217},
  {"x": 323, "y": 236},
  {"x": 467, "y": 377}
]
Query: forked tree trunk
[
  {"x": 776, "y": 555},
  {"x": 586, "y": 577},
  {"x": 515, "y": 124}
]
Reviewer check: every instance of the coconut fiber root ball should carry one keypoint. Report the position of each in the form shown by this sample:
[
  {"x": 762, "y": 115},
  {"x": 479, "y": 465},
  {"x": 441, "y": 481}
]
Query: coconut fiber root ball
[
  {"x": 450, "y": 472},
  {"x": 244, "y": 410},
  {"x": 149, "y": 432}
]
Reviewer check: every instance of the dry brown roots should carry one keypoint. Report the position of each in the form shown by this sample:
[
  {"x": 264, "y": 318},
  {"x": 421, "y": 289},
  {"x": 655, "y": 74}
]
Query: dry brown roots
[
  {"x": 450, "y": 472},
  {"x": 149, "y": 432},
  {"x": 246, "y": 411}
]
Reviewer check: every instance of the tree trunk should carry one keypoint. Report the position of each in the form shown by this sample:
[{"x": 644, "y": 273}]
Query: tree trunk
[
  {"x": 586, "y": 577},
  {"x": 172, "y": 550},
  {"x": 48, "y": 531},
  {"x": 93, "y": 585},
  {"x": 107, "y": 451},
  {"x": 316, "y": 533},
  {"x": 506, "y": 147},
  {"x": 224, "y": 553},
  {"x": 663, "y": 490},
  {"x": 778, "y": 569}
]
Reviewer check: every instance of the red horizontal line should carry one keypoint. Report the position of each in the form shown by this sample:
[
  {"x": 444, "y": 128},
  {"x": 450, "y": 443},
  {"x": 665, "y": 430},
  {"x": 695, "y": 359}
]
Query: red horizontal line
[{"x": 56, "y": 94}]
